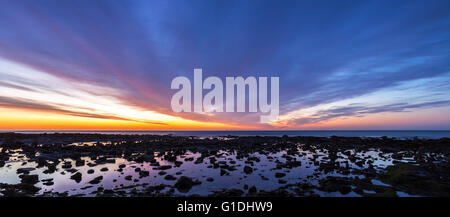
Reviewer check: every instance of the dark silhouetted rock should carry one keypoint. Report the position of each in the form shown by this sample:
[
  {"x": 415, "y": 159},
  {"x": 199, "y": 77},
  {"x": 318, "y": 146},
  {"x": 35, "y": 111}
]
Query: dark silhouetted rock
[
  {"x": 279, "y": 175},
  {"x": 248, "y": 170},
  {"x": 96, "y": 180},
  {"x": 184, "y": 184},
  {"x": 29, "y": 179},
  {"x": 76, "y": 177}
]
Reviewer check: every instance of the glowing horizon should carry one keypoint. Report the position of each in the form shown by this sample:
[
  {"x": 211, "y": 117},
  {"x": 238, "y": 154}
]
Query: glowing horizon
[{"x": 78, "y": 65}]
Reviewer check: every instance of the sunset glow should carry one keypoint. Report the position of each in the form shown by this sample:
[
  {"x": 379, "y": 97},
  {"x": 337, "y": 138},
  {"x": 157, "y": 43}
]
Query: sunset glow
[{"x": 83, "y": 66}]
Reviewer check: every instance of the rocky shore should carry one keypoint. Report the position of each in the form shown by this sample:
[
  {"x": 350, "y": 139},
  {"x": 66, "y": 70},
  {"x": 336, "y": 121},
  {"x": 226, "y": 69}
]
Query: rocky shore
[{"x": 65, "y": 164}]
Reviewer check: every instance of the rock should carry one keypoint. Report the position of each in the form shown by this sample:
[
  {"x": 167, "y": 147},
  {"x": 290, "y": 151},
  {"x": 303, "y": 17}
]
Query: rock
[
  {"x": 79, "y": 163},
  {"x": 51, "y": 168},
  {"x": 229, "y": 193},
  {"x": 143, "y": 173},
  {"x": 90, "y": 171},
  {"x": 67, "y": 165},
  {"x": 24, "y": 170},
  {"x": 96, "y": 180},
  {"x": 209, "y": 179},
  {"x": 170, "y": 178},
  {"x": 248, "y": 170},
  {"x": 104, "y": 169},
  {"x": 184, "y": 184},
  {"x": 121, "y": 166},
  {"x": 72, "y": 170},
  {"x": 224, "y": 172},
  {"x": 129, "y": 177},
  {"x": 49, "y": 183},
  {"x": 164, "y": 167},
  {"x": 178, "y": 163},
  {"x": 345, "y": 189},
  {"x": 29, "y": 179},
  {"x": 18, "y": 190},
  {"x": 252, "y": 190},
  {"x": 161, "y": 173},
  {"x": 280, "y": 175},
  {"x": 76, "y": 177}
]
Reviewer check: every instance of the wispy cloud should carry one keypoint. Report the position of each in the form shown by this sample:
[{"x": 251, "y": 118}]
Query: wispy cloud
[{"x": 118, "y": 58}]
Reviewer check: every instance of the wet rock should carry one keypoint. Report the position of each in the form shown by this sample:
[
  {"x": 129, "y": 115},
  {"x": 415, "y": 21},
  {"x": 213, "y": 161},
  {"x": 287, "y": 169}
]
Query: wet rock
[
  {"x": 143, "y": 173},
  {"x": 164, "y": 167},
  {"x": 80, "y": 163},
  {"x": 170, "y": 177},
  {"x": 212, "y": 160},
  {"x": 90, "y": 171},
  {"x": 96, "y": 180},
  {"x": 29, "y": 179},
  {"x": 224, "y": 172},
  {"x": 47, "y": 180},
  {"x": 156, "y": 188},
  {"x": 24, "y": 170},
  {"x": 104, "y": 169},
  {"x": 129, "y": 177},
  {"x": 228, "y": 193},
  {"x": 72, "y": 170},
  {"x": 280, "y": 175},
  {"x": 66, "y": 165},
  {"x": 252, "y": 190},
  {"x": 345, "y": 189},
  {"x": 161, "y": 173},
  {"x": 48, "y": 183},
  {"x": 248, "y": 170},
  {"x": 184, "y": 184},
  {"x": 333, "y": 184},
  {"x": 77, "y": 177},
  {"x": 209, "y": 179},
  {"x": 154, "y": 164},
  {"x": 18, "y": 190},
  {"x": 178, "y": 163}
]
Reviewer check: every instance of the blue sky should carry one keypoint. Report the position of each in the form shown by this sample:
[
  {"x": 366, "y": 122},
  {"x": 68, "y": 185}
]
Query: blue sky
[{"x": 337, "y": 60}]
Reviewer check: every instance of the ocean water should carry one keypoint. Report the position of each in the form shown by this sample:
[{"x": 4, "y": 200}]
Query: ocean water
[{"x": 401, "y": 134}]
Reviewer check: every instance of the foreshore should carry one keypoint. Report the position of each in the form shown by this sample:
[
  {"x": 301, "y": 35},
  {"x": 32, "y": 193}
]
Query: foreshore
[{"x": 73, "y": 164}]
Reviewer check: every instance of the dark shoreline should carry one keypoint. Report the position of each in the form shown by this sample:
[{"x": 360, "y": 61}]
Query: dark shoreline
[
  {"x": 400, "y": 134},
  {"x": 341, "y": 164}
]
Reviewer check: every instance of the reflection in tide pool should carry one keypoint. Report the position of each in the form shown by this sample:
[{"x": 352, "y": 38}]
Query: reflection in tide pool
[{"x": 121, "y": 174}]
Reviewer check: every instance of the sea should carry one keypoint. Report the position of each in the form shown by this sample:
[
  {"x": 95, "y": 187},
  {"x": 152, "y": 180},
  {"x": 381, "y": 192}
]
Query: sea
[{"x": 400, "y": 134}]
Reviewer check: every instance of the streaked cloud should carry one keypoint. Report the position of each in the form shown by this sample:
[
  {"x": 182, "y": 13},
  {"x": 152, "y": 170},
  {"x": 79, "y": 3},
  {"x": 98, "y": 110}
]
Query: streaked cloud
[{"x": 115, "y": 60}]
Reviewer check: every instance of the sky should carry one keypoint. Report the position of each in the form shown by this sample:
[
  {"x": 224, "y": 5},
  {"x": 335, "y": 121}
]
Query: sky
[{"x": 108, "y": 65}]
